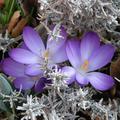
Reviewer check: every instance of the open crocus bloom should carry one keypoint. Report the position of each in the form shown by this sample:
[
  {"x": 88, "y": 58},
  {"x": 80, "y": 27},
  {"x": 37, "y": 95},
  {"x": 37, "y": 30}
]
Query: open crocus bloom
[
  {"x": 86, "y": 57},
  {"x": 23, "y": 81},
  {"x": 37, "y": 56}
]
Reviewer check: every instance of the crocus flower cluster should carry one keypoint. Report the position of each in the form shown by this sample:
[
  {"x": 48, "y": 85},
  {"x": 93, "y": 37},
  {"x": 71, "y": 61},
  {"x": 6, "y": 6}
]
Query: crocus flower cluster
[
  {"x": 28, "y": 63},
  {"x": 37, "y": 56}
]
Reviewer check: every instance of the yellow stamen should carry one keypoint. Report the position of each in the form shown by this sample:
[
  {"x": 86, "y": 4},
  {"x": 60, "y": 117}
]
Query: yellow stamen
[
  {"x": 46, "y": 54},
  {"x": 35, "y": 78},
  {"x": 85, "y": 65}
]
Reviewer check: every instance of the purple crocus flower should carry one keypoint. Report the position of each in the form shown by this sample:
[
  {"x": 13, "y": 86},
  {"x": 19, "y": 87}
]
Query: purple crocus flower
[
  {"x": 86, "y": 57},
  {"x": 37, "y": 56},
  {"x": 17, "y": 70}
]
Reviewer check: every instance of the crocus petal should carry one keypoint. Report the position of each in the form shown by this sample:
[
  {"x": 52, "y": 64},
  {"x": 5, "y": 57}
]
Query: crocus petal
[
  {"x": 33, "y": 40},
  {"x": 24, "y": 56},
  {"x": 1, "y": 65},
  {"x": 53, "y": 44},
  {"x": 33, "y": 69},
  {"x": 40, "y": 84},
  {"x": 69, "y": 72},
  {"x": 23, "y": 82},
  {"x": 101, "y": 57},
  {"x": 90, "y": 42},
  {"x": 12, "y": 68},
  {"x": 48, "y": 82},
  {"x": 73, "y": 52},
  {"x": 60, "y": 55},
  {"x": 23, "y": 46},
  {"x": 100, "y": 81},
  {"x": 81, "y": 79}
]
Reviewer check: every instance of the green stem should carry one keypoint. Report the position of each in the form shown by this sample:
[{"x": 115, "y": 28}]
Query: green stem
[
  {"x": 11, "y": 8},
  {"x": 7, "y": 3}
]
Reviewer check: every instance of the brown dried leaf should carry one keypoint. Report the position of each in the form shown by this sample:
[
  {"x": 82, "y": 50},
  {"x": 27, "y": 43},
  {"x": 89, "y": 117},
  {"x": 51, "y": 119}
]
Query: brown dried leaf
[
  {"x": 113, "y": 91},
  {"x": 115, "y": 69},
  {"x": 115, "y": 72},
  {"x": 19, "y": 27},
  {"x": 1, "y": 3},
  {"x": 97, "y": 118},
  {"x": 13, "y": 21}
]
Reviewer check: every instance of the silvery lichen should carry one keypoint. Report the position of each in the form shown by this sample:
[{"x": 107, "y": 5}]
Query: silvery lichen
[
  {"x": 5, "y": 41},
  {"x": 108, "y": 112},
  {"x": 12, "y": 98},
  {"x": 65, "y": 105},
  {"x": 32, "y": 108},
  {"x": 100, "y": 15},
  {"x": 57, "y": 77}
]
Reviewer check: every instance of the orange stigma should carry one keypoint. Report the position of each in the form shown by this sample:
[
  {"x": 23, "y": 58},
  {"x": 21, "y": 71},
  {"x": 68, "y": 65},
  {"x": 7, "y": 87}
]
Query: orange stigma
[{"x": 85, "y": 65}]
